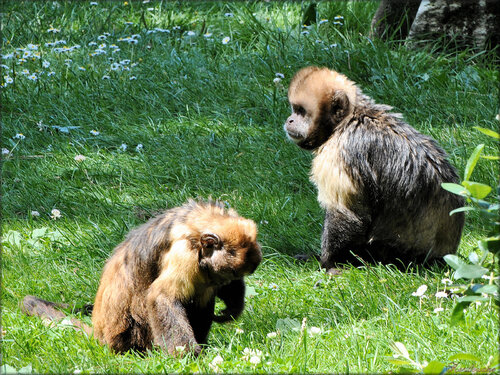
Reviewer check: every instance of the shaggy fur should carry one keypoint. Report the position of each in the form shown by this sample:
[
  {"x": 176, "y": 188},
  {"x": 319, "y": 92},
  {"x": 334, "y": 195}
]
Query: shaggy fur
[
  {"x": 159, "y": 286},
  {"x": 378, "y": 178}
]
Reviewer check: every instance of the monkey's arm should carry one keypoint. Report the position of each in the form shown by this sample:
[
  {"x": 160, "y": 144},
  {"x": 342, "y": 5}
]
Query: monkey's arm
[
  {"x": 169, "y": 324},
  {"x": 233, "y": 295}
]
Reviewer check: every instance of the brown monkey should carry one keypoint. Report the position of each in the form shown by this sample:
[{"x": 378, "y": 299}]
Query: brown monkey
[
  {"x": 378, "y": 178},
  {"x": 159, "y": 285}
]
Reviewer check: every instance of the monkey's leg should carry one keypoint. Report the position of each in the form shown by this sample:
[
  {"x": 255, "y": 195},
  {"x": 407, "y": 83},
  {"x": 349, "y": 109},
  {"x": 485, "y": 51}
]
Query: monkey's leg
[
  {"x": 233, "y": 295},
  {"x": 170, "y": 326},
  {"x": 343, "y": 231}
]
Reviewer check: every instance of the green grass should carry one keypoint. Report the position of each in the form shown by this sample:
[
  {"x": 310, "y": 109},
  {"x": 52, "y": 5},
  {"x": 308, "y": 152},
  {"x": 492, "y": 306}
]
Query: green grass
[{"x": 210, "y": 119}]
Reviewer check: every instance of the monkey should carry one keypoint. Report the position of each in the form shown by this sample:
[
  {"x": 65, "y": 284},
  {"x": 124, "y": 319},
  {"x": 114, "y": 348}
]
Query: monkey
[
  {"x": 378, "y": 179},
  {"x": 158, "y": 287}
]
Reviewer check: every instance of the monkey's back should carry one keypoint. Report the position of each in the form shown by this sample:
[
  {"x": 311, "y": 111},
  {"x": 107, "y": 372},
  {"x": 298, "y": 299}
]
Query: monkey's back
[{"x": 397, "y": 173}]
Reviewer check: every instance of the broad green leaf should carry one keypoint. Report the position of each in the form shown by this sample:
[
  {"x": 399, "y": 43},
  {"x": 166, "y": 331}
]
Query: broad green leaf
[
  {"x": 7, "y": 369},
  {"x": 453, "y": 261},
  {"x": 462, "y": 209},
  {"x": 457, "y": 315},
  {"x": 398, "y": 362},
  {"x": 463, "y": 357},
  {"x": 471, "y": 163},
  {"x": 470, "y": 271},
  {"x": 400, "y": 349},
  {"x": 454, "y": 188},
  {"x": 39, "y": 232},
  {"x": 25, "y": 370},
  {"x": 13, "y": 237},
  {"x": 488, "y": 132},
  {"x": 250, "y": 291},
  {"x": 434, "y": 367},
  {"x": 472, "y": 299},
  {"x": 488, "y": 289},
  {"x": 477, "y": 189}
]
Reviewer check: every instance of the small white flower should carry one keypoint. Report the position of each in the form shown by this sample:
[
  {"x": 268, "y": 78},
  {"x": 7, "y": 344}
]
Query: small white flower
[
  {"x": 273, "y": 286},
  {"x": 180, "y": 348},
  {"x": 94, "y": 132},
  {"x": 441, "y": 295},
  {"x": 93, "y": 3},
  {"x": 446, "y": 281},
  {"x": 53, "y": 30},
  {"x": 217, "y": 360},
  {"x": 8, "y": 79},
  {"x": 207, "y": 35},
  {"x": 277, "y": 80},
  {"x": 338, "y": 18},
  {"x": 191, "y": 33},
  {"x": 497, "y": 117},
  {"x": 438, "y": 310},
  {"x": 139, "y": 147},
  {"x": 272, "y": 335},
  {"x": 92, "y": 44},
  {"x": 305, "y": 32},
  {"x": 322, "y": 21},
  {"x": 228, "y": 14},
  {"x": 35, "y": 213},
  {"x": 280, "y": 75},
  {"x": 254, "y": 360},
  {"x": 5, "y": 151},
  {"x": 132, "y": 78},
  {"x": 81, "y": 68},
  {"x": 25, "y": 72},
  {"x": 313, "y": 331},
  {"x": 80, "y": 158},
  {"x": 226, "y": 40},
  {"x": 105, "y": 77},
  {"x": 420, "y": 291},
  {"x": 50, "y": 74},
  {"x": 129, "y": 23},
  {"x": 125, "y": 62},
  {"x": 19, "y": 136},
  {"x": 55, "y": 214},
  {"x": 45, "y": 64},
  {"x": 239, "y": 331},
  {"x": 102, "y": 37},
  {"x": 123, "y": 147},
  {"x": 115, "y": 66}
]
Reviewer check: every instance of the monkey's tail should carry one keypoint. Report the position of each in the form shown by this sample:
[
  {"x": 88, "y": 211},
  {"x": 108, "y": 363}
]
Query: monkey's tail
[{"x": 48, "y": 311}]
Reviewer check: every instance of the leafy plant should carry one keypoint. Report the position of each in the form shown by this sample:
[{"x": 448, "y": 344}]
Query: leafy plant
[{"x": 482, "y": 264}]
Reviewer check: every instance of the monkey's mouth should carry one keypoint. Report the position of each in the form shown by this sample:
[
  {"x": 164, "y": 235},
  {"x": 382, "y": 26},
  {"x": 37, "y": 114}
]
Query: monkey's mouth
[{"x": 294, "y": 136}]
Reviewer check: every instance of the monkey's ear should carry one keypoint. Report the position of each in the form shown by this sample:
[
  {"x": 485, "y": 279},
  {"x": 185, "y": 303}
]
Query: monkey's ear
[
  {"x": 209, "y": 241},
  {"x": 339, "y": 106}
]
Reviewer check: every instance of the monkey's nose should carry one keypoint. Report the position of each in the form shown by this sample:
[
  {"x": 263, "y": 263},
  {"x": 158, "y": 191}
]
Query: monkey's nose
[{"x": 290, "y": 120}]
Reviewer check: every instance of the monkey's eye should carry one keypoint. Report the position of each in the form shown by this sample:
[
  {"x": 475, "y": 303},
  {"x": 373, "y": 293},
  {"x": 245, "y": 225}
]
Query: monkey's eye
[
  {"x": 232, "y": 252},
  {"x": 298, "y": 109}
]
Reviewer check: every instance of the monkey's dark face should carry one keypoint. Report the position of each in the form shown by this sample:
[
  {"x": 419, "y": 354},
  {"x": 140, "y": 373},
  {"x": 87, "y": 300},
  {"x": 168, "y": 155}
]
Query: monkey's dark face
[{"x": 224, "y": 261}]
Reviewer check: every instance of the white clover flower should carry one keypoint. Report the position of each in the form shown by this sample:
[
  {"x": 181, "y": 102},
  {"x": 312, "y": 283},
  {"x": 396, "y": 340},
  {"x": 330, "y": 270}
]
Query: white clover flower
[
  {"x": 272, "y": 335},
  {"x": 420, "y": 291},
  {"x": 441, "y": 294},
  {"x": 19, "y": 136},
  {"x": 254, "y": 360},
  {"x": 217, "y": 360},
  {"x": 35, "y": 213},
  {"x": 139, "y": 147},
  {"x": 239, "y": 331},
  {"x": 180, "y": 348},
  {"x": 55, "y": 214},
  {"x": 5, "y": 151},
  {"x": 277, "y": 80},
  {"x": 94, "y": 132},
  {"x": 446, "y": 281},
  {"x": 313, "y": 331},
  {"x": 226, "y": 40},
  {"x": 123, "y": 147},
  {"x": 45, "y": 64},
  {"x": 80, "y": 158},
  {"x": 438, "y": 310}
]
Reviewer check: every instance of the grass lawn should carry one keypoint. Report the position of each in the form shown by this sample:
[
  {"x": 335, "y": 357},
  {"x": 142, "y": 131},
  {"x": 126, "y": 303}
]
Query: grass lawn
[{"x": 171, "y": 100}]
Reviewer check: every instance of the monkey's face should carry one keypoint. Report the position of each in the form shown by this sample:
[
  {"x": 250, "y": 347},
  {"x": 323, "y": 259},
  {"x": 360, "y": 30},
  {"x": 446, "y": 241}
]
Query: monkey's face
[
  {"x": 229, "y": 259},
  {"x": 320, "y": 100}
]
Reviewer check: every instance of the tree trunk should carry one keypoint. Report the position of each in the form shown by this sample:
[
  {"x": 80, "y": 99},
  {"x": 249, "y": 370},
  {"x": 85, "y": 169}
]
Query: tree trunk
[{"x": 393, "y": 19}]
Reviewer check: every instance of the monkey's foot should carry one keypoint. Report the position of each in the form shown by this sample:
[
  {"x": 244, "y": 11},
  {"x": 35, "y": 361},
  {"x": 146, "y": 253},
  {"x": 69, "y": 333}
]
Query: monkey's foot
[{"x": 334, "y": 271}]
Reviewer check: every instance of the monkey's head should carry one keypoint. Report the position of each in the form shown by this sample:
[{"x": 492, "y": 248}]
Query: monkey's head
[
  {"x": 320, "y": 99},
  {"x": 229, "y": 250}
]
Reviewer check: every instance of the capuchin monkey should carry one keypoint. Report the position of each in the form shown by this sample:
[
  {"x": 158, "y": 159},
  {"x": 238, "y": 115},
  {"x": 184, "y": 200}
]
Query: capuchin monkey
[
  {"x": 378, "y": 178},
  {"x": 159, "y": 285}
]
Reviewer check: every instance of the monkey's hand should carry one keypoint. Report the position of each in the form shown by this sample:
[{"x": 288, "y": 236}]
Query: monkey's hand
[{"x": 233, "y": 295}]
